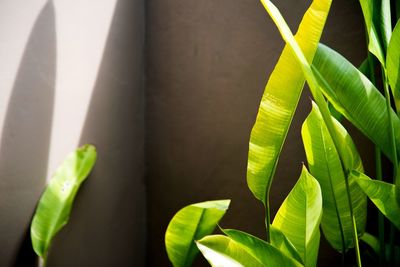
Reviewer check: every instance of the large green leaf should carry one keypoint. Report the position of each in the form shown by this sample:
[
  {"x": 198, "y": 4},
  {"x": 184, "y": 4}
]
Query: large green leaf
[
  {"x": 299, "y": 217},
  {"x": 356, "y": 98},
  {"x": 191, "y": 223},
  {"x": 241, "y": 249},
  {"x": 370, "y": 9},
  {"x": 382, "y": 194},
  {"x": 55, "y": 205},
  {"x": 261, "y": 249},
  {"x": 393, "y": 64},
  {"x": 325, "y": 165},
  {"x": 279, "y": 102}
]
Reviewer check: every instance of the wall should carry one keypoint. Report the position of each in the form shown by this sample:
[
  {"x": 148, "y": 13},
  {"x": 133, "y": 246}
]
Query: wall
[
  {"x": 72, "y": 73},
  {"x": 208, "y": 62}
]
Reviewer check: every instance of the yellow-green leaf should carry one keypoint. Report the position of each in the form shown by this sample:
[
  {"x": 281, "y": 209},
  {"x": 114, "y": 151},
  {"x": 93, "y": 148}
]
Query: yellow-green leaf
[
  {"x": 324, "y": 163},
  {"x": 55, "y": 205},
  {"x": 299, "y": 217},
  {"x": 279, "y": 102},
  {"x": 382, "y": 194},
  {"x": 242, "y": 249},
  {"x": 191, "y": 223}
]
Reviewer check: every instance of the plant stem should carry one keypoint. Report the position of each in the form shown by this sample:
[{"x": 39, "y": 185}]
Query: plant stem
[
  {"x": 268, "y": 220},
  {"x": 394, "y": 154},
  {"x": 381, "y": 219},
  {"x": 378, "y": 173}
]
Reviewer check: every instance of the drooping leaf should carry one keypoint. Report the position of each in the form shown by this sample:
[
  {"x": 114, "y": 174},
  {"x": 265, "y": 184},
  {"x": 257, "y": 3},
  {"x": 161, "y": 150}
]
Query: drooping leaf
[
  {"x": 371, "y": 14},
  {"x": 299, "y": 217},
  {"x": 191, "y": 223},
  {"x": 393, "y": 64},
  {"x": 279, "y": 102},
  {"x": 261, "y": 250},
  {"x": 55, "y": 204},
  {"x": 382, "y": 194},
  {"x": 241, "y": 249},
  {"x": 356, "y": 98},
  {"x": 325, "y": 166}
]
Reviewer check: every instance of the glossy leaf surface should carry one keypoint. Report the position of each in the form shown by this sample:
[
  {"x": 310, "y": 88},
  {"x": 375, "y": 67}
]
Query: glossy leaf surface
[
  {"x": 324, "y": 163},
  {"x": 371, "y": 18},
  {"x": 356, "y": 98},
  {"x": 382, "y": 194},
  {"x": 299, "y": 217},
  {"x": 279, "y": 102},
  {"x": 241, "y": 249},
  {"x": 261, "y": 250},
  {"x": 55, "y": 204},
  {"x": 280, "y": 241},
  {"x": 393, "y": 64},
  {"x": 191, "y": 223}
]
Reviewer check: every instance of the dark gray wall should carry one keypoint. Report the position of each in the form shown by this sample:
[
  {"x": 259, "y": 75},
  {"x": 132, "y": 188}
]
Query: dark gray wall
[{"x": 208, "y": 62}]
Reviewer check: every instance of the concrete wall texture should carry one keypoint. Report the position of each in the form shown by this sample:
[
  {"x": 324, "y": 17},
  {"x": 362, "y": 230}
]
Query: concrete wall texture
[{"x": 168, "y": 92}]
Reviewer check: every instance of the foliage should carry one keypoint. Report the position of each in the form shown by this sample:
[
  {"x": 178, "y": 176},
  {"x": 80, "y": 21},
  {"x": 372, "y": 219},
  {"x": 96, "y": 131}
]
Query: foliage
[
  {"x": 54, "y": 208},
  {"x": 334, "y": 194}
]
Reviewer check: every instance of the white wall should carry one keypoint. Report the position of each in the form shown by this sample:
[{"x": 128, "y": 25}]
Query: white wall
[{"x": 71, "y": 73}]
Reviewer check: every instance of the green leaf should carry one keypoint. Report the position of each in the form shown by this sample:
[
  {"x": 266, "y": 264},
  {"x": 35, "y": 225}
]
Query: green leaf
[
  {"x": 371, "y": 241},
  {"x": 382, "y": 194},
  {"x": 370, "y": 10},
  {"x": 280, "y": 241},
  {"x": 55, "y": 205},
  {"x": 279, "y": 102},
  {"x": 299, "y": 217},
  {"x": 324, "y": 163},
  {"x": 241, "y": 249},
  {"x": 261, "y": 250},
  {"x": 393, "y": 64},
  {"x": 356, "y": 98},
  {"x": 189, "y": 224}
]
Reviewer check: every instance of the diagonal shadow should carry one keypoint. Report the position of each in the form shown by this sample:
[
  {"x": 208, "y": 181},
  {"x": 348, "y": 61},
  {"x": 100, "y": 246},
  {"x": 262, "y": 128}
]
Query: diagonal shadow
[
  {"x": 107, "y": 223},
  {"x": 26, "y": 139}
]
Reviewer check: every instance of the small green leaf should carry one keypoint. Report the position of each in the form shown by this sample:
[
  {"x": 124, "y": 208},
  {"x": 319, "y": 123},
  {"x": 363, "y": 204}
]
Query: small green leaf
[
  {"x": 299, "y": 217},
  {"x": 393, "y": 64},
  {"x": 279, "y": 102},
  {"x": 371, "y": 241},
  {"x": 189, "y": 224},
  {"x": 55, "y": 205},
  {"x": 324, "y": 163},
  {"x": 382, "y": 194},
  {"x": 241, "y": 249}
]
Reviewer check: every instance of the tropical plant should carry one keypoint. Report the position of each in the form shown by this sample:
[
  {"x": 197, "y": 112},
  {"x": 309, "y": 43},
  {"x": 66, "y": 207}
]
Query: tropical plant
[
  {"x": 55, "y": 204},
  {"x": 333, "y": 193}
]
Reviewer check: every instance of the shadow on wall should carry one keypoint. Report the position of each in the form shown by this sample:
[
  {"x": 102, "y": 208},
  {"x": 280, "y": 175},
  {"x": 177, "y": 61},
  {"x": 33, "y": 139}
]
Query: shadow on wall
[
  {"x": 107, "y": 225},
  {"x": 25, "y": 141}
]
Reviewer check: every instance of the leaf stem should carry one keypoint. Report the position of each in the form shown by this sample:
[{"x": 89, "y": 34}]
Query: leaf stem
[
  {"x": 378, "y": 173},
  {"x": 394, "y": 154},
  {"x": 268, "y": 220}
]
